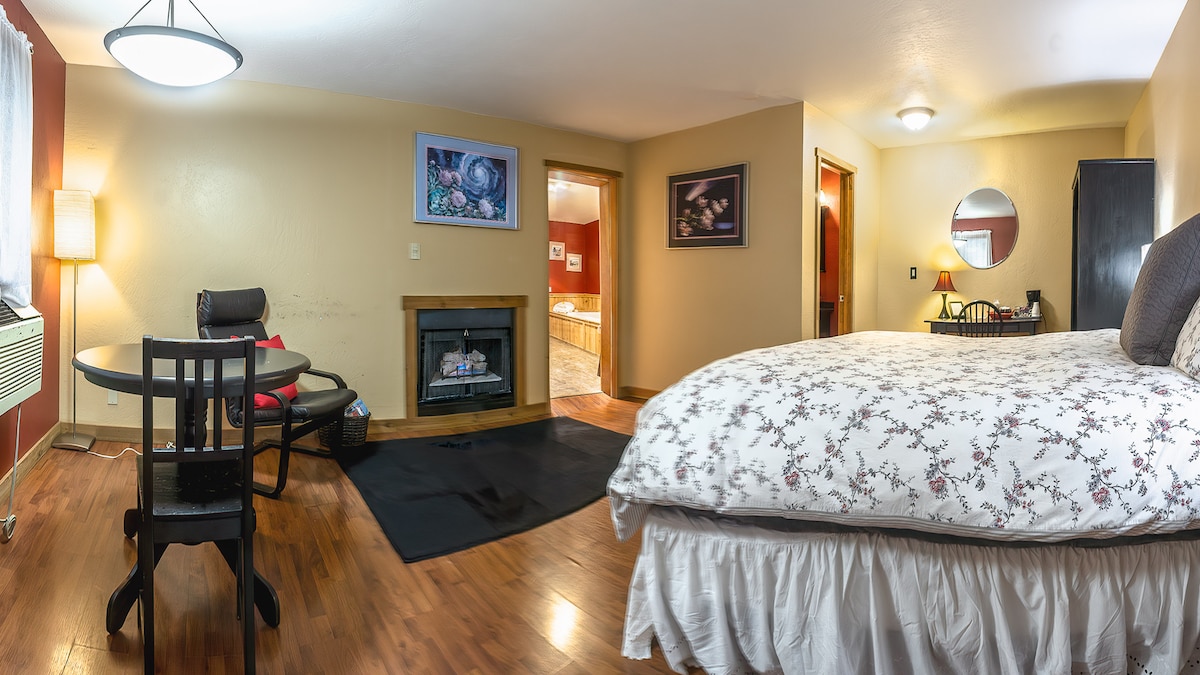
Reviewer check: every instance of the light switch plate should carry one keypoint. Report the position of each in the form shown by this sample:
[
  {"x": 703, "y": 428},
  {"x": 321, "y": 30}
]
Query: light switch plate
[
  {"x": 912, "y": 273},
  {"x": 112, "y": 397},
  {"x": 414, "y": 251}
]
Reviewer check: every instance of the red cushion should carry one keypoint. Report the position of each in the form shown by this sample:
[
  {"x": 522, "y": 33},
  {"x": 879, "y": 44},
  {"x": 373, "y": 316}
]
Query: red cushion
[{"x": 290, "y": 391}]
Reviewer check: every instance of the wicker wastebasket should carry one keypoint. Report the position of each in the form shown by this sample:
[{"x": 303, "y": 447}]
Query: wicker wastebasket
[{"x": 354, "y": 431}]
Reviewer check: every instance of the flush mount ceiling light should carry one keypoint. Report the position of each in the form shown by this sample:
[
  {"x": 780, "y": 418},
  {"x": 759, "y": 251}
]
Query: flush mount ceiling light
[
  {"x": 915, "y": 118},
  {"x": 172, "y": 56}
]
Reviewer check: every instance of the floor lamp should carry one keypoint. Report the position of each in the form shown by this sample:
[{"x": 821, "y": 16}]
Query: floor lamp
[{"x": 74, "y": 240}]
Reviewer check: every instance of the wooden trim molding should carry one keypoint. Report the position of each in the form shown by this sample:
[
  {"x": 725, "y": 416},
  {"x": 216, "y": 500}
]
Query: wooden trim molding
[
  {"x": 376, "y": 429},
  {"x": 414, "y": 302},
  {"x": 846, "y": 176},
  {"x": 30, "y": 458},
  {"x": 447, "y": 423},
  {"x": 580, "y": 168},
  {"x": 637, "y": 394}
]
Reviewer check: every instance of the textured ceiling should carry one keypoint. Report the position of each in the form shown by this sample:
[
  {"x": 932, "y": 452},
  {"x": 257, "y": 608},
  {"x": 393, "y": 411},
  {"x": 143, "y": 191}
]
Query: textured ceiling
[{"x": 632, "y": 69}]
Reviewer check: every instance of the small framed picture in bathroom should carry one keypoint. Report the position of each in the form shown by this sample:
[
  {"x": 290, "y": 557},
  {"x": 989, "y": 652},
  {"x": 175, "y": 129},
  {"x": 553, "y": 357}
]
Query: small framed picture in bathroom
[{"x": 574, "y": 262}]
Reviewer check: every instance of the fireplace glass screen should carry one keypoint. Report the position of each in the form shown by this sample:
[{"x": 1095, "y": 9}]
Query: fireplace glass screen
[{"x": 465, "y": 361}]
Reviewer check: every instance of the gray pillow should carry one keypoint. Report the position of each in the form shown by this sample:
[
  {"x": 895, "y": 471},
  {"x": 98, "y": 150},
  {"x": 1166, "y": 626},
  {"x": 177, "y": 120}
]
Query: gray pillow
[{"x": 1166, "y": 288}]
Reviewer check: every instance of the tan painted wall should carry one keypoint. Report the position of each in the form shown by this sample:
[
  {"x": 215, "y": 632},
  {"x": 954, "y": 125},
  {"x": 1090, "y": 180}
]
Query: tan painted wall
[
  {"x": 1163, "y": 125},
  {"x": 921, "y": 187},
  {"x": 306, "y": 193},
  {"x": 690, "y": 306},
  {"x": 822, "y": 132}
]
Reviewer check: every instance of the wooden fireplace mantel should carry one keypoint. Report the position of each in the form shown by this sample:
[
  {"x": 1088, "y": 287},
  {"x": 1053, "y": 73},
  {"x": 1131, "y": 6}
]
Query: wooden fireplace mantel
[
  {"x": 521, "y": 412},
  {"x": 415, "y": 302}
]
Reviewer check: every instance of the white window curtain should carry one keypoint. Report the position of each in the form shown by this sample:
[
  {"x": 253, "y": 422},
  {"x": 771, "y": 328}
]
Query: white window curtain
[
  {"x": 16, "y": 163},
  {"x": 975, "y": 247}
]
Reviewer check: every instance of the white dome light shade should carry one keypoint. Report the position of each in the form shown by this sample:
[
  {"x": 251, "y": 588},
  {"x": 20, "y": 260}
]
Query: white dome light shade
[
  {"x": 915, "y": 118},
  {"x": 172, "y": 56}
]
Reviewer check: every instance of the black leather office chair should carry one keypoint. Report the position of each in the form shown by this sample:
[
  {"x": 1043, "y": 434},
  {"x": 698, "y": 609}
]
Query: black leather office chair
[
  {"x": 181, "y": 498},
  {"x": 980, "y": 318},
  {"x": 223, "y": 314}
]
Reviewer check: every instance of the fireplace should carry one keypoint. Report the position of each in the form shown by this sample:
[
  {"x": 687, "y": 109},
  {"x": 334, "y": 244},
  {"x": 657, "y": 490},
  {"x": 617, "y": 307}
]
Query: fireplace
[
  {"x": 465, "y": 359},
  {"x": 463, "y": 354}
]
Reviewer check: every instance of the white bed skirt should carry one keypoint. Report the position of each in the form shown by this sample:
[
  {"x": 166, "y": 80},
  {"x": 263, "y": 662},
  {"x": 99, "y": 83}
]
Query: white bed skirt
[{"x": 734, "y": 598}]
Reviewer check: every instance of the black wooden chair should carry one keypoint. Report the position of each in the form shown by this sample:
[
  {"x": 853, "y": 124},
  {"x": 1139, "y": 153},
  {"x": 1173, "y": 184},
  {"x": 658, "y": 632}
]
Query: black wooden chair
[
  {"x": 223, "y": 314},
  {"x": 980, "y": 318},
  {"x": 192, "y": 491}
]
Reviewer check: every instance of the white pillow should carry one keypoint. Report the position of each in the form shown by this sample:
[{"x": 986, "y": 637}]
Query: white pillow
[
  {"x": 1187, "y": 347},
  {"x": 563, "y": 307}
]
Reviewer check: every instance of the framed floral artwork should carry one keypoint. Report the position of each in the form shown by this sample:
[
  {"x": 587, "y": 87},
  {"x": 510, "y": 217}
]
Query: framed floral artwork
[
  {"x": 558, "y": 250},
  {"x": 574, "y": 262},
  {"x": 461, "y": 182},
  {"x": 707, "y": 208}
]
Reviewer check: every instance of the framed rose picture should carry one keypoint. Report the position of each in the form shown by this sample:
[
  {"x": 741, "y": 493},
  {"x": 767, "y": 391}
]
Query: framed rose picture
[
  {"x": 461, "y": 182},
  {"x": 707, "y": 208},
  {"x": 558, "y": 250},
  {"x": 574, "y": 262}
]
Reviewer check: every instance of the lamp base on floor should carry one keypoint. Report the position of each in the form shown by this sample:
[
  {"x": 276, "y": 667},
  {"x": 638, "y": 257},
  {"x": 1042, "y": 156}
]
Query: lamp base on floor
[{"x": 74, "y": 441}]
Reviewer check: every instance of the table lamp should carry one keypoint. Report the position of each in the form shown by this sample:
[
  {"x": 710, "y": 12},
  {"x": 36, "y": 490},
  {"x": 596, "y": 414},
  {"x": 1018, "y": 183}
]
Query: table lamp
[
  {"x": 74, "y": 240},
  {"x": 944, "y": 286}
]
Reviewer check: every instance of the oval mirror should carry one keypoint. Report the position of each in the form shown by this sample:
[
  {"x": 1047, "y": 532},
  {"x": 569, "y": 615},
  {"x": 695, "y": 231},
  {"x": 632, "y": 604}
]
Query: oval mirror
[{"x": 984, "y": 229}]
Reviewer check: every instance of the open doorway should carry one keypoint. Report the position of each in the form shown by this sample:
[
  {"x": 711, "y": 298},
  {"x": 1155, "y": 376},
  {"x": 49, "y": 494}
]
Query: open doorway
[
  {"x": 834, "y": 245},
  {"x": 582, "y": 273},
  {"x": 575, "y": 322}
]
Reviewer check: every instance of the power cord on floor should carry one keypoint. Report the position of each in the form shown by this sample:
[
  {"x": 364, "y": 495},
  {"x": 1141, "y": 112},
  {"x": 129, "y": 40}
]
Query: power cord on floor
[
  {"x": 170, "y": 444},
  {"x": 101, "y": 456}
]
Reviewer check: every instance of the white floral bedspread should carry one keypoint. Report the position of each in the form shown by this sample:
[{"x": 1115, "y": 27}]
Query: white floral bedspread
[{"x": 1041, "y": 438}]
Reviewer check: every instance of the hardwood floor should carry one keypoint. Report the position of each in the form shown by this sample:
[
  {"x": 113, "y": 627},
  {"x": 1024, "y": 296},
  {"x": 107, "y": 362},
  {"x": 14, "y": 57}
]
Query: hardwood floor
[{"x": 551, "y": 600}]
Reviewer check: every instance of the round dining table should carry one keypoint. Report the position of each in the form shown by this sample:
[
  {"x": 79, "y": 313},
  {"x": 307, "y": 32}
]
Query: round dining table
[{"x": 119, "y": 368}]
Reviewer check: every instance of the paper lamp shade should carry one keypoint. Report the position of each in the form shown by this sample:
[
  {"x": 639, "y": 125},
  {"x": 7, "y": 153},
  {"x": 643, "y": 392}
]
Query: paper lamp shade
[
  {"x": 944, "y": 284},
  {"x": 74, "y": 225}
]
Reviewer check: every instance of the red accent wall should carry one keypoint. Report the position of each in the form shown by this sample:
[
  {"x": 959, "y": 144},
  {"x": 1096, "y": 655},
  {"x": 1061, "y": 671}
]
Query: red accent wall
[
  {"x": 583, "y": 239},
  {"x": 40, "y": 413},
  {"x": 1004, "y": 232}
]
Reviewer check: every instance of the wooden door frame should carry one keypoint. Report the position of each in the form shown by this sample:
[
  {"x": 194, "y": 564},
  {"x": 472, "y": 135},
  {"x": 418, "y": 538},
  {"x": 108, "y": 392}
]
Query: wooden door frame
[
  {"x": 847, "y": 172},
  {"x": 609, "y": 184}
]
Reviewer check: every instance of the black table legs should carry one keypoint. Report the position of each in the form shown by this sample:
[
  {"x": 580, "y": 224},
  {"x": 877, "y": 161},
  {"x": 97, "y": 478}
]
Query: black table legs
[{"x": 122, "y": 599}]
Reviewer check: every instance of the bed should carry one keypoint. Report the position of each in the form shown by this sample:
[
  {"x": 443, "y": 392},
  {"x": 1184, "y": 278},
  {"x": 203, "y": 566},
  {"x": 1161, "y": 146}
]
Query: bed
[
  {"x": 888, "y": 502},
  {"x": 575, "y": 319}
]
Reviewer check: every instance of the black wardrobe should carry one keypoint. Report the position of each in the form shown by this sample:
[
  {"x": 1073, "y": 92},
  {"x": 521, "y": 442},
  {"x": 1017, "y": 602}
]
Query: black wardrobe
[{"x": 1113, "y": 219}]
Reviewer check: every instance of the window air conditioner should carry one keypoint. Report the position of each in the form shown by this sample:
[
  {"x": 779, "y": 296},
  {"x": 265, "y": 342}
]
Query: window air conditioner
[{"x": 21, "y": 333}]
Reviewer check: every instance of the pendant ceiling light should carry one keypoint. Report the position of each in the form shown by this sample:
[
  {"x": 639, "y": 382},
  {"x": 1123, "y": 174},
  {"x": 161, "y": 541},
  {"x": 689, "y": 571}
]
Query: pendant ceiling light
[{"x": 170, "y": 55}]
